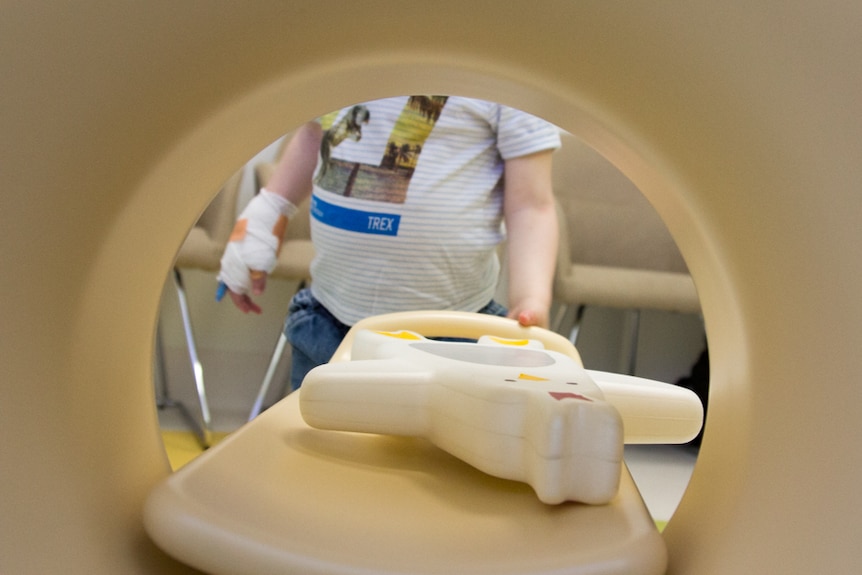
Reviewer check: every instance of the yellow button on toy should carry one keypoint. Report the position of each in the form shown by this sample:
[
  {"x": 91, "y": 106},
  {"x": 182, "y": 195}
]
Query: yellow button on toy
[
  {"x": 403, "y": 334},
  {"x": 506, "y": 341}
]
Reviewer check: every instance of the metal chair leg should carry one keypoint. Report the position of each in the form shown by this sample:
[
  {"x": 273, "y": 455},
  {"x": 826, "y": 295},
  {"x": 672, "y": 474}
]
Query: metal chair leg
[
  {"x": 634, "y": 332},
  {"x": 559, "y": 316},
  {"x": 205, "y": 430},
  {"x": 576, "y": 326},
  {"x": 163, "y": 395},
  {"x": 267, "y": 379},
  {"x": 277, "y": 354}
]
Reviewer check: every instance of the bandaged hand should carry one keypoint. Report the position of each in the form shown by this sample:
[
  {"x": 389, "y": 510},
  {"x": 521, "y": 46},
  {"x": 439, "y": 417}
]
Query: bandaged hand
[{"x": 255, "y": 241}]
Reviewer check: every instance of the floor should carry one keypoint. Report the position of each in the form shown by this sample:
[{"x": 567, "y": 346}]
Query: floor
[{"x": 662, "y": 473}]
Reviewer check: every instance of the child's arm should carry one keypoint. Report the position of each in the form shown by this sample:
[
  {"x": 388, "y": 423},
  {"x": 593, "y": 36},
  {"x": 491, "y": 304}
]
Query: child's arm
[
  {"x": 252, "y": 251},
  {"x": 531, "y": 223}
]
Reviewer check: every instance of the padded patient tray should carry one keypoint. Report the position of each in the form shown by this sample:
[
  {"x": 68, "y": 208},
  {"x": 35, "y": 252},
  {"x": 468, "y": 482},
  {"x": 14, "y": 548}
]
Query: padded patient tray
[{"x": 278, "y": 496}]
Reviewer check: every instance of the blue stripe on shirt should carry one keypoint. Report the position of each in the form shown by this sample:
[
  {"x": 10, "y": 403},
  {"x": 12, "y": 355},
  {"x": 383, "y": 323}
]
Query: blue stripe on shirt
[{"x": 353, "y": 220}]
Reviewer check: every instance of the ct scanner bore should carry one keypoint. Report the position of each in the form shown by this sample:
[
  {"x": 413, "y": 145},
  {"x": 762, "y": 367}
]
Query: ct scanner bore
[{"x": 117, "y": 122}]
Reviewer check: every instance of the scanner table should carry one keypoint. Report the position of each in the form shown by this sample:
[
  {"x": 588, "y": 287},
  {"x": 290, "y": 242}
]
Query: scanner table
[{"x": 279, "y": 496}]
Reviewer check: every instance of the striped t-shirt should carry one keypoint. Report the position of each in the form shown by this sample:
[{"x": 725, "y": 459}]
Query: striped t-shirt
[{"x": 407, "y": 203}]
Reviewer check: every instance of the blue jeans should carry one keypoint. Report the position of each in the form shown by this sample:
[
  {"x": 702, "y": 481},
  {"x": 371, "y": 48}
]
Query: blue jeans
[{"x": 314, "y": 333}]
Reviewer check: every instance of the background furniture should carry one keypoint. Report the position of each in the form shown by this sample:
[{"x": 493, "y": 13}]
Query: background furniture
[
  {"x": 202, "y": 249},
  {"x": 615, "y": 251}
]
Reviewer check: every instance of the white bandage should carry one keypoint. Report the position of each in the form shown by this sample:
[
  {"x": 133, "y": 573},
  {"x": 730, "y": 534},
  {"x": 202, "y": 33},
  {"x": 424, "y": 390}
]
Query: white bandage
[{"x": 255, "y": 241}]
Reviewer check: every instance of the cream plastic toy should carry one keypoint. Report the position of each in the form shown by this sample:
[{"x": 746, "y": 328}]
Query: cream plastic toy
[{"x": 506, "y": 406}]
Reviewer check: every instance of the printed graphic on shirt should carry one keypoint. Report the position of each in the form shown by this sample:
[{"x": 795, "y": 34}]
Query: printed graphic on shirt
[
  {"x": 389, "y": 179},
  {"x": 348, "y": 128}
]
